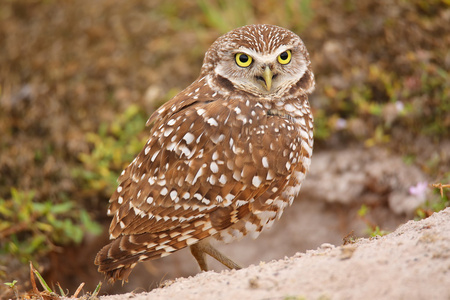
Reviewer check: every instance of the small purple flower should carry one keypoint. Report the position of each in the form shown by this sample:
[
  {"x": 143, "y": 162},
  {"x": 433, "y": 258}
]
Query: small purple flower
[
  {"x": 340, "y": 124},
  {"x": 399, "y": 106},
  {"x": 419, "y": 190}
]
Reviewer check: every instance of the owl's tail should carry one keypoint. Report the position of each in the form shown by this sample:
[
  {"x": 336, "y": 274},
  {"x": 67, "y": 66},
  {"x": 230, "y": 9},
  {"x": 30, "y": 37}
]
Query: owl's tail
[{"x": 118, "y": 258}]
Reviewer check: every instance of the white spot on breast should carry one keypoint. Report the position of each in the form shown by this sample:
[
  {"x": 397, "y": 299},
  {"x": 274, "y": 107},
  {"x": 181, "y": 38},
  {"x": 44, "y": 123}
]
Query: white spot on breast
[
  {"x": 215, "y": 155},
  {"x": 212, "y": 122},
  {"x": 265, "y": 162},
  {"x": 164, "y": 191},
  {"x": 167, "y": 131},
  {"x": 200, "y": 111},
  {"x": 270, "y": 175},
  {"x": 185, "y": 150},
  {"x": 171, "y": 146},
  {"x": 149, "y": 200},
  {"x": 223, "y": 179},
  {"x": 154, "y": 156},
  {"x": 242, "y": 118},
  {"x": 199, "y": 173},
  {"x": 217, "y": 139},
  {"x": 214, "y": 167},
  {"x": 241, "y": 202},
  {"x": 189, "y": 138},
  {"x": 290, "y": 108},
  {"x": 171, "y": 122},
  {"x": 256, "y": 181},
  {"x": 120, "y": 200},
  {"x": 211, "y": 179},
  {"x": 119, "y": 189},
  {"x": 229, "y": 197},
  {"x": 173, "y": 195}
]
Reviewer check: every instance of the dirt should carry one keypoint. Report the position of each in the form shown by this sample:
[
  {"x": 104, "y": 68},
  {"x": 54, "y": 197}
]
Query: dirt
[{"x": 413, "y": 262}]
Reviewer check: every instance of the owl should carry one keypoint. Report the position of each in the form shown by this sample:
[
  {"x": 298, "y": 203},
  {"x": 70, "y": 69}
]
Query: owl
[{"x": 224, "y": 158}]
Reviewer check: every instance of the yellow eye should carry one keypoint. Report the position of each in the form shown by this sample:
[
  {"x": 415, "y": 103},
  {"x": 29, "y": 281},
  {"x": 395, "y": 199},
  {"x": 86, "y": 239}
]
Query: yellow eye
[
  {"x": 243, "y": 60},
  {"x": 285, "y": 57}
]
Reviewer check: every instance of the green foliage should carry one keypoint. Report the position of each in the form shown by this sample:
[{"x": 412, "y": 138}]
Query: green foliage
[
  {"x": 372, "y": 229},
  {"x": 113, "y": 148},
  {"x": 418, "y": 101},
  {"x": 376, "y": 231},
  {"x": 226, "y": 15},
  {"x": 48, "y": 293},
  {"x": 11, "y": 284},
  {"x": 29, "y": 229},
  {"x": 363, "y": 210}
]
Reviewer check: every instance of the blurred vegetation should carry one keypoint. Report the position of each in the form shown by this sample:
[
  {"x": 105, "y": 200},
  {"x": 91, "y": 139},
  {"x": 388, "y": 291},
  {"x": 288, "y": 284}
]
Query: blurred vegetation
[
  {"x": 113, "y": 147},
  {"x": 78, "y": 80},
  {"x": 30, "y": 229},
  {"x": 372, "y": 229}
]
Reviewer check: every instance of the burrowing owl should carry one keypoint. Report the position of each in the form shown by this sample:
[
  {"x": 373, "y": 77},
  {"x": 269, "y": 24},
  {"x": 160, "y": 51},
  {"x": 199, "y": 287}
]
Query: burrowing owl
[{"x": 224, "y": 157}]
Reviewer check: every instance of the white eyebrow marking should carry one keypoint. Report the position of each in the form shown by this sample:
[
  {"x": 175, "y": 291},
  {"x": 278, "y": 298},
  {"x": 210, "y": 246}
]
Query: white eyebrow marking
[{"x": 264, "y": 58}]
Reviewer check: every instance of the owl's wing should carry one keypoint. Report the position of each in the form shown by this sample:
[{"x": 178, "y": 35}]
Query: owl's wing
[{"x": 195, "y": 171}]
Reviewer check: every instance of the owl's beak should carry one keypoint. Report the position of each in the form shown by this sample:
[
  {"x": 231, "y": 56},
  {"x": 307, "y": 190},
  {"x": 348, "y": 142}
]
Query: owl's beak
[{"x": 267, "y": 76}]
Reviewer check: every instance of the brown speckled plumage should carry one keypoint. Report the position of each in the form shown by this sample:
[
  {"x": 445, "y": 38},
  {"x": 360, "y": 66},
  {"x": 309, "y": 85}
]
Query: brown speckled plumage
[{"x": 224, "y": 157}]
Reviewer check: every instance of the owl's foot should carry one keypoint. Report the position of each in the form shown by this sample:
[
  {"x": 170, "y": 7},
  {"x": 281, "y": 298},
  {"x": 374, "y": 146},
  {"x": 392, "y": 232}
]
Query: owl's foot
[{"x": 202, "y": 248}]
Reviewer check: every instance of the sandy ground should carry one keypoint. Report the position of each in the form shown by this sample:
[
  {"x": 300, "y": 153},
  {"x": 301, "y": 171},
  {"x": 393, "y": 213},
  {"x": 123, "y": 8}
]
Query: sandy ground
[{"x": 411, "y": 263}]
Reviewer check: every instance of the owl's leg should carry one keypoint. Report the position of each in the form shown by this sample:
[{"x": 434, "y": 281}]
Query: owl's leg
[
  {"x": 202, "y": 248},
  {"x": 200, "y": 256}
]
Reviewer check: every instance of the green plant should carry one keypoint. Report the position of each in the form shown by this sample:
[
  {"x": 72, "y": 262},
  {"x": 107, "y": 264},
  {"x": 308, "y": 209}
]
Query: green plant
[
  {"x": 29, "y": 229},
  {"x": 12, "y": 286},
  {"x": 113, "y": 148},
  {"x": 48, "y": 293},
  {"x": 372, "y": 229}
]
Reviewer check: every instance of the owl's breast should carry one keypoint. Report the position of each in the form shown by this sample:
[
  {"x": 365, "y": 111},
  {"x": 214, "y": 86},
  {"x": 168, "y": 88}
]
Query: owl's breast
[{"x": 278, "y": 140}]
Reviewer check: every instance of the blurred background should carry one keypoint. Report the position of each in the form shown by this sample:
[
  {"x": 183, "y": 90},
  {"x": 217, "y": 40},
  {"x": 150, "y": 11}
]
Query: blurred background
[{"x": 78, "y": 80}]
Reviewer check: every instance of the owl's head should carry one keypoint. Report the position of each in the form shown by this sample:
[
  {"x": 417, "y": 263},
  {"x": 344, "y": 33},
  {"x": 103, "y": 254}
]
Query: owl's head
[{"x": 263, "y": 60}]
